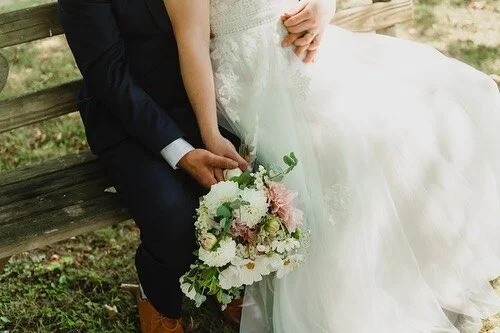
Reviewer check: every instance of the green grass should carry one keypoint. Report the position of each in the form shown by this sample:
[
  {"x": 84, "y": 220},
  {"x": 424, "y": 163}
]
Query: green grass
[
  {"x": 33, "y": 144},
  {"x": 36, "y": 66},
  {"x": 484, "y": 58},
  {"x": 424, "y": 14},
  {"x": 63, "y": 288}
]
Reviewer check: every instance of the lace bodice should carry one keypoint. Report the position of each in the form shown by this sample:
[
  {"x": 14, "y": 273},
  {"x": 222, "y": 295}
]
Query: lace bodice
[
  {"x": 230, "y": 16},
  {"x": 246, "y": 56}
]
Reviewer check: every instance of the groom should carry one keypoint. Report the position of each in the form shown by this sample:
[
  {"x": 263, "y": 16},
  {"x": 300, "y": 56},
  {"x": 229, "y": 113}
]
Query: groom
[{"x": 139, "y": 122}]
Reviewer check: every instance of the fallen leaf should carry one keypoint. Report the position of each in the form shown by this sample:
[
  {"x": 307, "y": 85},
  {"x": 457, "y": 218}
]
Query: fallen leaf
[{"x": 111, "y": 310}]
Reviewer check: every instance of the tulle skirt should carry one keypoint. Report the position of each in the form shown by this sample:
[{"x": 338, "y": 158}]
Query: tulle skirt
[{"x": 399, "y": 169}]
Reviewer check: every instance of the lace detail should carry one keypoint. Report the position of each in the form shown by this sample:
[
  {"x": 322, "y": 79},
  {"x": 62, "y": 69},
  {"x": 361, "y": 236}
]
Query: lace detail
[
  {"x": 231, "y": 16},
  {"x": 226, "y": 79},
  {"x": 337, "y": 197},
  {"x": 235, "y": 55},
  {"x": 245, "y": 52}
]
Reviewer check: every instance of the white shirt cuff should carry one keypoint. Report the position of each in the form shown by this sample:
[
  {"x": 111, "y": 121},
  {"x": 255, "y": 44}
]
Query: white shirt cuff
[{"x": 175, "y": 151}]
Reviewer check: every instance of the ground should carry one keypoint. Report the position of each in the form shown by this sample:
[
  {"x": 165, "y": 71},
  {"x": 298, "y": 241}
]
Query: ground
[{"x": 73, "y": 286}]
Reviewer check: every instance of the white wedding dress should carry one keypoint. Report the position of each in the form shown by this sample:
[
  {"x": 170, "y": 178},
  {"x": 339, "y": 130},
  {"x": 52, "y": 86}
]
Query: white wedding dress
[{"x": 399, "y": 175}]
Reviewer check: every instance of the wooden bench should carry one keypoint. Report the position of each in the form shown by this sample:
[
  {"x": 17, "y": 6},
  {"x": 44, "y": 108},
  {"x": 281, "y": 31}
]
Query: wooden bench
[{"x": 65, "y": 197}]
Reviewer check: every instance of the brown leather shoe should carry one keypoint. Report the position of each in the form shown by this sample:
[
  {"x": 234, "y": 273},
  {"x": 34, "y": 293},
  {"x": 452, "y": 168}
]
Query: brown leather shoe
[
  {"x": 232, "y": 313},
  {"x": 151, "y": 320}
]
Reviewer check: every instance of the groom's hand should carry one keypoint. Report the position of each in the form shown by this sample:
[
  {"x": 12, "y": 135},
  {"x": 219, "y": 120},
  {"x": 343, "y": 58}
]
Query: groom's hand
[
  {"x": 306, "y": 25},
  {"x": 203, "y": 166}
]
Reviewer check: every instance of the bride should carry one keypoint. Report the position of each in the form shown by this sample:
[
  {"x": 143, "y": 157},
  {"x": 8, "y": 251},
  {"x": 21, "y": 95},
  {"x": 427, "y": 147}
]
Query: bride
[{"x": 399, "y": 150}]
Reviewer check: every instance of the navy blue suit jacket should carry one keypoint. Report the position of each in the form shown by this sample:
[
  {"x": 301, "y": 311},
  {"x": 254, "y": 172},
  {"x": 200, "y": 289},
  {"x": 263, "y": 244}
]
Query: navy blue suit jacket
[{"x": 127, "y": 54}]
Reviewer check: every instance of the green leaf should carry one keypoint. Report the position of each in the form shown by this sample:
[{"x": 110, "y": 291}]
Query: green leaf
[
  {"x": 199, "y": 299},
  {"x": 4, "y": 320},
  {"x": 226, "y": 299},
  {"x": 54, "y": 266},
  {"x": 67, "y": 260},
  {"x": 219, "y": 296},
  {"x": 236, "y": 204},
  {"x": 222, "y": 222},
  {"x": 297, "y": 234},
  {"x": 63, "y": 279},
  {"x": 227, "y": 225},
  {"x": 224, "y": 212},
  {"x": 244, "y": 180},
  {"x": 288, "y": 160}
]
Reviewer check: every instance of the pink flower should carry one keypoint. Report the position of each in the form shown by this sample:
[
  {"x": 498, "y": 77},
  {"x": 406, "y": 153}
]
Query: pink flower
[
  {"x": 281, "y": 203},
  {"x": 294, "y": 219},
  {"x": 243, "y": 231}
]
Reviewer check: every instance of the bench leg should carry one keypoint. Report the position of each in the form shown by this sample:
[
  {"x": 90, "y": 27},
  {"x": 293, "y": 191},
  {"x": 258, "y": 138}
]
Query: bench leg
[
  {"x": 3, "y": 261},
  {"x": 391, "y": 31}
]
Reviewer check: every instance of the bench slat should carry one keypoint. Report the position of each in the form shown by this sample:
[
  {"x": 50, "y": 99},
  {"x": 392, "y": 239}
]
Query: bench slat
[
  {"x": 377, "y": 16},
  {"x": 4, "y": 71},
  {"x": 29, "y": 24},
  {"x": 42, "y": 21},
  {"x": 58, "y": 225},
  {"x": 39, "y": 106},
  {"x": 17, "y": 193},
  {"x": 45, "y": 207},
  {"x": 53, "y": 165}
]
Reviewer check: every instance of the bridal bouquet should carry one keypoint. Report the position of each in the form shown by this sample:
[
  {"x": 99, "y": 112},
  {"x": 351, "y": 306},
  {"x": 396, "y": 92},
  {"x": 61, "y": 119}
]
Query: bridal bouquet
[{"x": 247, "y": 228}]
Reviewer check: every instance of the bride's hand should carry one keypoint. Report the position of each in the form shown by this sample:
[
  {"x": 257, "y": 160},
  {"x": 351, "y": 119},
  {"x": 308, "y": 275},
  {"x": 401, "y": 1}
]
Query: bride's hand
[
  {"x": 221, "y": 146},
  {"x": 306, "y": 25}
]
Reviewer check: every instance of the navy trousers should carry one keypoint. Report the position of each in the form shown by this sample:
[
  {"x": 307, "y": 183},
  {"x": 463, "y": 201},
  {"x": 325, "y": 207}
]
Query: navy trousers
[{"x": 162, "y": 202}]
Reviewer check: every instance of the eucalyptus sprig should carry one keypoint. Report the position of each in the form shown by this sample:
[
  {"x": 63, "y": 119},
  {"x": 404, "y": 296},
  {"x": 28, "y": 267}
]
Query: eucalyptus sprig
[{"x": 291, "y": 161}]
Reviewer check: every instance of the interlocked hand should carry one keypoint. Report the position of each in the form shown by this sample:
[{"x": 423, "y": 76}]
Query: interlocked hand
[{"x": 306, "y": 25}]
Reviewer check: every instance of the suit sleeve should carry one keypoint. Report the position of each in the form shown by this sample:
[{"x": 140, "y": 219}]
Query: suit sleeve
[{"x": 94, "y": 38}]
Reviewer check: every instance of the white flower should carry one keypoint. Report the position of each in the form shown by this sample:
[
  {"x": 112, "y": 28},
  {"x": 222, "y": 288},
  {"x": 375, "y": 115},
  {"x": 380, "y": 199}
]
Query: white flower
[
  {"x": 221, "y": 256},
  {"x": 246, "y": 272},
  {"x": 219, "y": 194},
  {"x": 259, "y": 178},
  {"x": 272, "y": 262},
  {"x": 251, "y": 273},
  {"x": 289, "y": 265},
  {"x": 228, "y": 174},
  {"x": 230, "y": 278},
  {"x": 285, "y": 245},
  {"x": 250, "y": 215},
  {"x": 191, "y": 294},
  {"x": 263, "y": 248},
  {"x": 203, "y": 223},
  {"x": 250, "y": 270}
]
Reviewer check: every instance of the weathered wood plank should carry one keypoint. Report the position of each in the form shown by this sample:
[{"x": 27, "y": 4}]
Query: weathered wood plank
[
  {"x": 53, "y": 165},
  {"x": 39, "y": 106},
  {"x": 29, "y": 24},
  {"x": 40, "y": 205},
  {"x": 4, "y": 71},
  {"x": 19, "y": 193},
  {"x": 375, "y": 16},
  {"x": 391, "y": 31},
  {"x": 495, "y": 78},
  {"x": 57, "y": 225}
]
